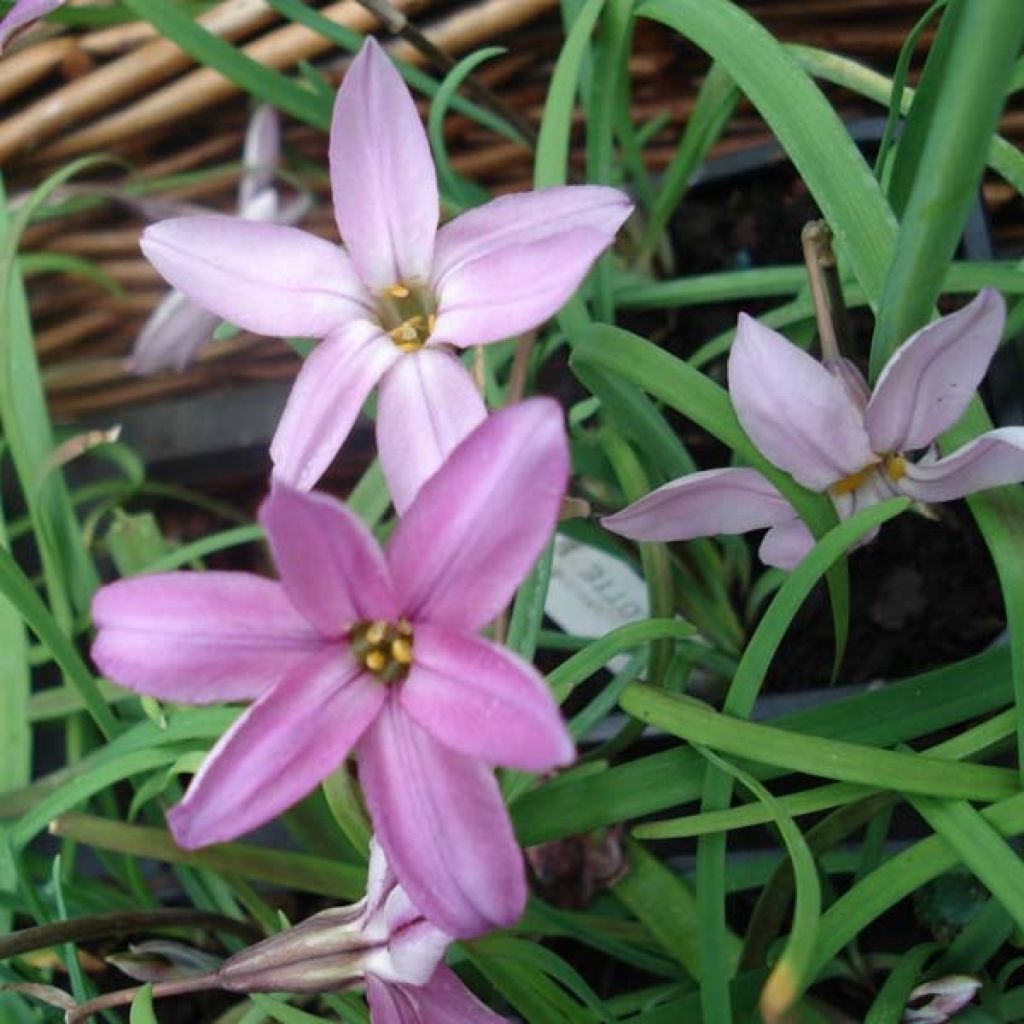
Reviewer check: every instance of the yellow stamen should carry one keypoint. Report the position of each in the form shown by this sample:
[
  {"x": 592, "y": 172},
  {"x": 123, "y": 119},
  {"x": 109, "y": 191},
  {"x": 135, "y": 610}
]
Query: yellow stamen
[
  {"x": 896, "y": 467},
  {"x": 401, "y": 651},
  {"x": 398, "y": 291},
  {"x": 376, "y": 633},
  {"x": 384, "y": 648}
]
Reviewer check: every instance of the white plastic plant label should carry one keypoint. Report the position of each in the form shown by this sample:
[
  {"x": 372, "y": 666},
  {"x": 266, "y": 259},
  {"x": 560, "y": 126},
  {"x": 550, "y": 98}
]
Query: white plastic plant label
[{"x": 593, "y": 592}]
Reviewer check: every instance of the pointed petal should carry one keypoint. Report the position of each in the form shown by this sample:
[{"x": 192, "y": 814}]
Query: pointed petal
[
  {"x": 478, "y": 525},
  {"x": 702, "y": 505},
  {"x": 22, "y": 14},
  {"x": 260, "y": 157},
  {"x": 328, "y": 395},
  {"x": 794, "y": 410},
  {"x": 443, "y": 998},
  {"x": 199, "y": 637},
  {"x": 926, "y": 385},
  {"x": 785, "y": 546},
  {"x": 332, "y": 569},
  {"x": 484, "y": 702},
  {"x": 427, "y": 405},
  {"x": 994, "y": 459},
  {"x": 509, "y": 265},
  {"x": 382, "y": 175},
  {"x": 266, "y": 278},
  {"x": 171, "y": 337},
  {"x": 441, "y": 819},
  {"x": 279, "y": 750}
]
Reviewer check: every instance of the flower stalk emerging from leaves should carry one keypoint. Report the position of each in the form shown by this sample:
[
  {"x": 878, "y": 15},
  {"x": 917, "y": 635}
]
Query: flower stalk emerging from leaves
[
  {"x": 820, "y": 423},
  {"x": 360, "y": 649},
  {"x": 400, "y": 297},
  {"x": 383, "y": 942}
]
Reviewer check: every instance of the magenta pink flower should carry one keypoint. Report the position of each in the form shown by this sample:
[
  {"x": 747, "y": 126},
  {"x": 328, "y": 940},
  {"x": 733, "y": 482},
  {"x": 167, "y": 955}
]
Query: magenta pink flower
[
  {"x": 400, "y": 297},
  {"x": 821, "y": 424},
  {"x": 357, "y": 649},
  {"x": 22, "y": 15}
]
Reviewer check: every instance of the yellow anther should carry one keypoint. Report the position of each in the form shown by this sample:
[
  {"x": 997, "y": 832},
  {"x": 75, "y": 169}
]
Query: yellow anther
[
  {"x": 401, "y": 651},
  {"x": 376, "y": 632},
  {"x": 896, "y": 467},
  {"x": 383, "y": 648},
  {"x": 398, "y": 291}
]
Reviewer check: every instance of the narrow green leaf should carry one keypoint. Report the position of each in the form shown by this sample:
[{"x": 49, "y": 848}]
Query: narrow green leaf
[
  {"x": 551, "y": 164},
  {"x": 791, "y": 975},
  {"x": 666, "y": 905},
  {"x": 290, "y": 870},
  {"x": 805, "y": 124},
  {"x": 716, "y": 101},
  {"x": 898, "y": 877},
  {"x": 142, "y": 1011},
  {"x": 949, "y": 128},
  {"x": 892, "y": 997},
  {"x": 831, "y": 759},
  {"x": 19, "y": 591},
  {"x": 980, "y": 847}
]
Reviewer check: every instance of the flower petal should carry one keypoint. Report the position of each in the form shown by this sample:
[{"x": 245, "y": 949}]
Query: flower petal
[
  {"x": 291, "y": 738},
  {"x": 332, "y": 569},
  {"x": 442, "y": 822},
  {"x": 198, "y": 637},
  {"x": 326, "y": 398},
  {"x": 994, "y": 459},
  {"x": 427, "y": 405},
  {"x": 260, "y": 157},
  {"x": 510, "y": 264},
  {"x": 702, "y": 505},
  {"x": 785, "y": 546},
  {"x": 382, "y": 175},
  {"x": 22, "y": 14},
  {"x": 266, "y": 278},
  {"x": 479, "y": 523},
  {"x": 927, "y": 384},
  {"x": 443, "y": 998},
  {"x": 171, "y": 337},
  {"x": 484, "y": 702},
  {"x": 794, "y": 410}
]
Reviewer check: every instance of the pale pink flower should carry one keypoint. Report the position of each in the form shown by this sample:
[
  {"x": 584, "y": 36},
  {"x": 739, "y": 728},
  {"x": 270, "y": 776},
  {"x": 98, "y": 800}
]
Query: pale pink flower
[
  {"x": 358, "y": 649},
  {"x": 178, "y": 328},
  {"x": 22, "y": 15},
  {"x": 941, "y": 999},
  {"x": 395, "y": 303},
  {"x": 821, "y": 424}
]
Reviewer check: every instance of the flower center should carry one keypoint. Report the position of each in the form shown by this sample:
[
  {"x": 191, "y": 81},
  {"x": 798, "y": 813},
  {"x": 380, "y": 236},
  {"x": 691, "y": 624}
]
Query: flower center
[
  {"x": 407, "y": 313},
  {"x": 384, "y": 648},
  {"x": 893, "y": 464}
]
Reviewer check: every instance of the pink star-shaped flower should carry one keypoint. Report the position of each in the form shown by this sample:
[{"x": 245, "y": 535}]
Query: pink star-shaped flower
[
  {"x": 358, "y": 649},
  {"x": 396, "y": 303},
  {"x": 821, "y": 423}
]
